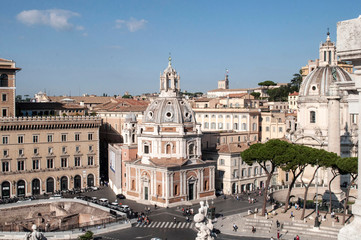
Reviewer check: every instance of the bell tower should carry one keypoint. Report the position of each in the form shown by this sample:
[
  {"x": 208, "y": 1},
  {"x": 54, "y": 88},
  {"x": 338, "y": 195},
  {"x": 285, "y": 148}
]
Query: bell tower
[
  {"x": 169, "y": 81},
  {"x": 328, "y": 53}
]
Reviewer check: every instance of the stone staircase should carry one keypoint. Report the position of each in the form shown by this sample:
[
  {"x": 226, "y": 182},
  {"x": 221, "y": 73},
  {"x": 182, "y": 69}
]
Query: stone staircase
[
  {"x": 263, "y": 226},
  {"x": 306, "y": 231},
  {"x": 268, "y": 228}
]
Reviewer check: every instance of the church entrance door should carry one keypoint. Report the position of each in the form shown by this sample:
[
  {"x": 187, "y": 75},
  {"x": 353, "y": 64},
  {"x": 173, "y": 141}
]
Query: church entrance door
[
  {"x": 145, "y": 193},
  {"x": 191, "y": 191},
  {"x": 35, "y": 186}
]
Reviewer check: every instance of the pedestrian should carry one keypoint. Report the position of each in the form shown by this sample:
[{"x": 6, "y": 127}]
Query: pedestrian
[
  {"x": 272, "y": 238},
  {"x": 297, "y": 237},
  {"x": 175, "y": 220},
  {"x": 291, "y": 216},
  {"x": 253, "y": 229},
  {"x": 187, "y": 219},
  {"x": 235, "y": 227},
  {"x": 155, "y": 206},
  {"x": 278, "y": 234}
]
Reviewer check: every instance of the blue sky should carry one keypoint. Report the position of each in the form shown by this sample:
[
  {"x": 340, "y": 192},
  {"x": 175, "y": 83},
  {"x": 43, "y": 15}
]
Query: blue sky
[{"x": 96, "y": 47}]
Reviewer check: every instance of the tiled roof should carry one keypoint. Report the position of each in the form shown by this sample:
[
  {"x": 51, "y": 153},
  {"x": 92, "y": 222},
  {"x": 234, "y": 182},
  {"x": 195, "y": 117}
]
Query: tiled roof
[
  {"x": 203, "y": 99},
  {"x": 78, "y": 99},
  {"x": 123, "y": 105},
  {"x": 232, "y": 147},
  {"x": 237, "y": 95},
  {"x": 294, "y": 94}
]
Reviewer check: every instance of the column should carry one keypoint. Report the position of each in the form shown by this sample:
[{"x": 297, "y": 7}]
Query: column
[{"x": 349, "y": 49}]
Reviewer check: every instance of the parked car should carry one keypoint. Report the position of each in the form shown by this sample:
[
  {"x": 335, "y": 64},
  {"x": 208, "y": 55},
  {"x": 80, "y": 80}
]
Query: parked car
[
  {"x": 124, "y": 208},
  {"x": 103, "y": 201},
  {"x": 113, "y": 205},
  {"x": 121, "y": 196}
]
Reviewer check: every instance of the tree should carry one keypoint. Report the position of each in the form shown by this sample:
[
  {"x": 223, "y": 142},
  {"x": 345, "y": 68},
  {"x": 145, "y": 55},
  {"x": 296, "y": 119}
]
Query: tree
[
  {"x": 348, "y": 166},
  {"x": 297, "y": 80},
  {"x": 336, "y": 171},
  {"x": 317, "y": 158},
  {"x": 256, "y": 95},
  {"x": 267, "y": 84},
  {"x": 127, "y": 96},
  {"x": 269, "y": 156},
  {"x": 296, "y": 163},
  {"x": 86, "y": 236}
]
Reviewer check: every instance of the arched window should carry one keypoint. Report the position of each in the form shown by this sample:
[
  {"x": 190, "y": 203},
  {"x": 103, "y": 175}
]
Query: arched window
[
  {"x": 146, "y": 148},
  {"x": 64, "y": 183},
  {"x": 244, "y": 126},
  {"x": 90, "y": 180},
  {"x": 254, "y": 128},
  {"x": 4, "y": 80},
  {"x": 220, "y": 125},
  {"x": 168, "y": 149},
  {"x": 213, "y": 125},
  {"x": 21, "y": 188},
  {"x": 221, "y": 162},
  {"x": 77, "y": 182},
  {"x": 191, "y": 149},
  {"x": 267, "y": 129},
  {"x": 256, "y": 171},
  {"x": 5, "y": 189},
  {"x": 206, "y": 125},
  {"x": 50, "y": 185},
  {"x": 235, "y": 126},
  {"x": 312, "y": 117},
  {"x": 35, "y": 186}
]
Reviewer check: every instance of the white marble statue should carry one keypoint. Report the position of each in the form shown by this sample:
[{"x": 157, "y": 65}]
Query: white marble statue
[
  {"x": 203, "y": 224},
  {"x": 35, "y": 235}
]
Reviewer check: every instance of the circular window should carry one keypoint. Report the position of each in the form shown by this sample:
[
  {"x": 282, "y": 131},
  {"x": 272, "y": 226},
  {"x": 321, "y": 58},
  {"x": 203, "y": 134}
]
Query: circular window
[
  {"x": 168, "y": 114},
  {"x": 156, "y": 102},
  {"x": 150, "y": 115},
  {"x": 313, "y": 88},
  {"x": 182, "y": 102},
  {"x": 186, "y": 114},
  {"x": 169, "y": 103}
]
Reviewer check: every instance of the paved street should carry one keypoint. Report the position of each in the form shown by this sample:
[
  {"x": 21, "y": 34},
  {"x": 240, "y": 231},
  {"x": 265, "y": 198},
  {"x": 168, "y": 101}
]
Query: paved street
[{"x": 162, "y": 219}]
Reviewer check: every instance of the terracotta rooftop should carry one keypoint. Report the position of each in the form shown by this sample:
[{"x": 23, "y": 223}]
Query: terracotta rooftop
[
  {"x": 78, "y": 99},
  {"x": 237, "y": 95},
  {"x": 203, "y": 99},
  {"x": 123, "y": 105},
  {"x": 232, "y": 147},
  {"x": 294, "y": 94}
]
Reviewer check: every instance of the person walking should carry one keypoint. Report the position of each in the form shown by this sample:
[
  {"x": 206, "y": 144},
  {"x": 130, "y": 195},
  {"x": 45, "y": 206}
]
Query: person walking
[
  {"x": 278, "y": 224},
  {"x": 235, "y": 227},
  {"x": 175, "y": 220}
]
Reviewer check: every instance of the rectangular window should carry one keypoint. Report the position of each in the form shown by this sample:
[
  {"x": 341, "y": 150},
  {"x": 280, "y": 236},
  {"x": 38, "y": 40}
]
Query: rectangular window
[
  {"x": 36, "y": 151},
  {"x": 50, "y": 150},
  {"x": 50, "y": 163},
  {"x": 5, "y": 166},
  {"x": 63, "y": 137},
  {"x": 21, "y": 165},
  {"x": 146, "y": 149},
  {"x": 5, "y": 112},
  {"x": 50, "y": 138},
  {"x": 5, "y": 139},
  {"x": 20, "y": 139},
  {"x": 77, "y": 137},
  {"x": 90, "y": 160},
  {"x": 21, "y": 152},
  {"x": 77, "y": 149},
  {"x": 35, "y": 138},
  {"x": 63, "y": 150},
  {"x": 77, "y": 161},
  {"x": 36, "y": 164},
  {"x": 280, "y": 129},
  {"x": 90, "y": 136},
  {"x": 5, "y": 153},
  {"x": 90, "y": 148},
  {"x": 64, "y": 162},
  {"x": 4, "y": 97}
]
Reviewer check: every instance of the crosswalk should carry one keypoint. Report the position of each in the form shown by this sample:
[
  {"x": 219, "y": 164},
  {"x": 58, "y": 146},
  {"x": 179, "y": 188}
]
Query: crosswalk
[{"x": 165, "y": 225}]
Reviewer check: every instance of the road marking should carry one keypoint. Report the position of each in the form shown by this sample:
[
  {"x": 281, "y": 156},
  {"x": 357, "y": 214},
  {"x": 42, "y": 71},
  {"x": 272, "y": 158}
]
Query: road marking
[
  {"x": 174, "y": 225},
  {"x": 187, "y": 225},
  {"x": 162, "y": 224},
  {"x": 137, "y": 225},
  {"x": 151, "y": 224},
  {"x": 166, "y": 225},
  {"x": 158, "y": 224},
  {"x": 181, "y": 224}
]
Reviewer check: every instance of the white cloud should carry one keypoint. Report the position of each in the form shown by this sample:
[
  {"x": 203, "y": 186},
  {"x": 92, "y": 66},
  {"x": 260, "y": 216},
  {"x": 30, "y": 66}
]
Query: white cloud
[
  {"x": 55, "y": 18},
  {"x": 132, "y": 24}
]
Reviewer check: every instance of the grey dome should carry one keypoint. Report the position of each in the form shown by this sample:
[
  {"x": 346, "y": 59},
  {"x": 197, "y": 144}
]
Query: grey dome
[
  {"x": 169, "y": 110},
  {"x": 317, "y": 82}
]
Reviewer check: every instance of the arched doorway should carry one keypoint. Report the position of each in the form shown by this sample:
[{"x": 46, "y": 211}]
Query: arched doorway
[
  {"x": 50, "y": 185},
  {"x": 90, "y": 180},
  {"x": 192, "y": 189},
  {"x": 77, "y": 182},
  {"x": 35, "y": 187},
  {"x": 5, "y": 189},
  {"x": 20, "y": 188},
  {"x": 64, "y": 183}
]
